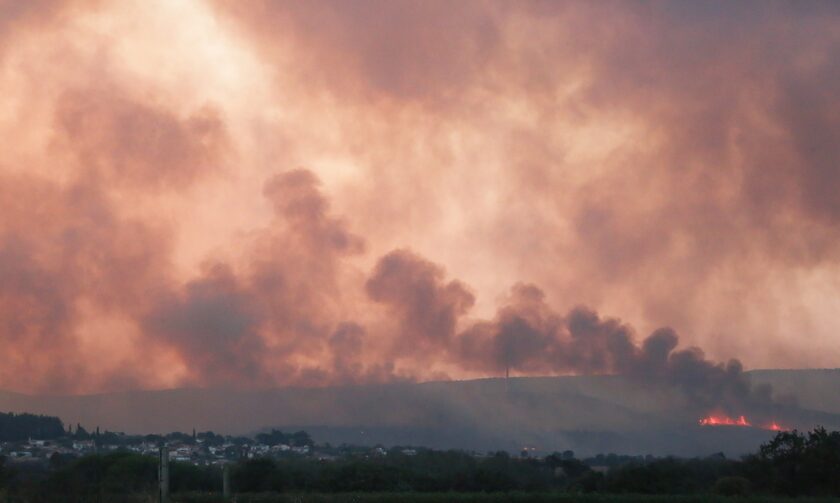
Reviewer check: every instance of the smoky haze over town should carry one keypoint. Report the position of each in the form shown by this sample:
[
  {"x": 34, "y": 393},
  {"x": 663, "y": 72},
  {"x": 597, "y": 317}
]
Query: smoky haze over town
[{"x": 545, "y": 223}]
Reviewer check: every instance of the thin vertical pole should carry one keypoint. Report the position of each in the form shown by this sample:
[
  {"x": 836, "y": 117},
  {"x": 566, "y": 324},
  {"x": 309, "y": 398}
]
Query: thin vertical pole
[
  {"x": 163, "y": 475},
  {"x": 226, "y": 481}
]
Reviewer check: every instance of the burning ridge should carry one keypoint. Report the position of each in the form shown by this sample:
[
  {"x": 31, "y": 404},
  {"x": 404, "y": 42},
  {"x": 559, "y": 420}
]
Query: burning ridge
[
  {"x": 723, "y": 420},
  {"x": 529, "y": 337}
]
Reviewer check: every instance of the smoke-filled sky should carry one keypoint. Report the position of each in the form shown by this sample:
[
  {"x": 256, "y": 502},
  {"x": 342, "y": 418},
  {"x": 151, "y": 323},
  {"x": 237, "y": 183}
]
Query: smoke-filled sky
[{"x": 263, "y": 193}]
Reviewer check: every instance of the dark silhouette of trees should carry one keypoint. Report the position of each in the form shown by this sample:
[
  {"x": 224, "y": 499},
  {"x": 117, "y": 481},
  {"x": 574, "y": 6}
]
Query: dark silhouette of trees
[
  {"x": 277, "y": 437},
  {"x": 210, "y": 438},
  {"x": 81, "y": 433},
  {"x": 14, "y": 427},
  {"x": 792, "y": 463},
  {"x": 795, "y": 463}
]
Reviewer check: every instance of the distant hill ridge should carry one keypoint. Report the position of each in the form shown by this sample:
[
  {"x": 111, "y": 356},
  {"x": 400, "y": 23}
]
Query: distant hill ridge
[{"x": 588, "y": 414}]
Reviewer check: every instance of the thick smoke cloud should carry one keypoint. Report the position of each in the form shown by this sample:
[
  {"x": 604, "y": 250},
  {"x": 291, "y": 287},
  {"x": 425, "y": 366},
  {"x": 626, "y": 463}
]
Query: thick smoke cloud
[
  {"x": 212, "y": 324},
  {"x": 670, "y": 163},
  {"x": 413, "y": 288},
  {"x": 121, "y": 140},
  {"x": 272, "y": 320},
  {"x": 528, "y": 336},
  {"x": 56, "y": 273},
  {"x": 680, "y": 154}
]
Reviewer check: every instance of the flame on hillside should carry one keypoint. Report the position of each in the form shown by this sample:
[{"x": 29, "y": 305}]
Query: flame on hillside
[
  {"x": 775, "y": 427},
  {"x": 722, "y": 420},
  {"x": 713, "y": 420}
]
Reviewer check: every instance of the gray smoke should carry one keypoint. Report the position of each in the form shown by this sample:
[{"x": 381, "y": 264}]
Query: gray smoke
[{"x": 528, "y": 337}]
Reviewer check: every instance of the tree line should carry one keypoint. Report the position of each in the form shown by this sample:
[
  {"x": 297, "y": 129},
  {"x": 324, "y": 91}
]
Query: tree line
[
  {"x": 791, "y": 464},
  {"x": 16, "y": 427}
]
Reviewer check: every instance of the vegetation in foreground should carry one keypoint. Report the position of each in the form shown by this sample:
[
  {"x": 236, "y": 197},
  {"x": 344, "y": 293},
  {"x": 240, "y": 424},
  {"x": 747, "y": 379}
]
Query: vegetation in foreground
[
  {"x": 792, "y": 464},
  {"x": 516, "y": 497},
  {"x": 494, "y": 498}
]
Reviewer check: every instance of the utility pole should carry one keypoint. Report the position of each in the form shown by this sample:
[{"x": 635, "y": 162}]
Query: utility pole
[
  {"x": 226, "y": 481},
  {"x": 99, "y": 462},
  {"x": 163, "y": 475}
]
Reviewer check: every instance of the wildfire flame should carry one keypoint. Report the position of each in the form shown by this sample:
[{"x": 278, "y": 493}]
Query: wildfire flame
[
  {"x": 724, "y": 421},
  {"x": 775, "y": 427},
  {"x": 721, "y": 420}
]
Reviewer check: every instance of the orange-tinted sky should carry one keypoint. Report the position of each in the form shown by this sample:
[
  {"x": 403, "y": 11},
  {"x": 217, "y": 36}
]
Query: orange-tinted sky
[{"x": 265, "y": 193}]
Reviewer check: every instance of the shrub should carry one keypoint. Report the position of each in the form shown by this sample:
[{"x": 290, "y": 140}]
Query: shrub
[{"x": 732, "y": 486}]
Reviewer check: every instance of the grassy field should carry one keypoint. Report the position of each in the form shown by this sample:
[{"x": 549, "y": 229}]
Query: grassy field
[
  {"x": 421, "y": 498},
  {"x": 484, "y": 498}
]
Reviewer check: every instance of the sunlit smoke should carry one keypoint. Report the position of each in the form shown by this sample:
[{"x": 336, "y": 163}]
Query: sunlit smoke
[{"x": 215, "y": 193}]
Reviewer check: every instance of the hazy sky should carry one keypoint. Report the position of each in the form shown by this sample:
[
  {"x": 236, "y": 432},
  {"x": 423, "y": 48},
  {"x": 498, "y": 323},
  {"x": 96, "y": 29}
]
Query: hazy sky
[{"x": 259, "y": 193}]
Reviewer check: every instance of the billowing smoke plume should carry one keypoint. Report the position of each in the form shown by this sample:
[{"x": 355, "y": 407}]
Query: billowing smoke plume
[
  {"x": 528, "y": 337},
  {"x": 414, "y": 291},
  {"x": 271, "y": 320},
  {"x": 308, "y": 193}
]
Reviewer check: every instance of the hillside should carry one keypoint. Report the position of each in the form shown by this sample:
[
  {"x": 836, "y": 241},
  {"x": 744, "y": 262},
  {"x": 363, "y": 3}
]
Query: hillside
[
  {"x": 817, "y": 389},
  {"x": 588, "y": 414}
]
